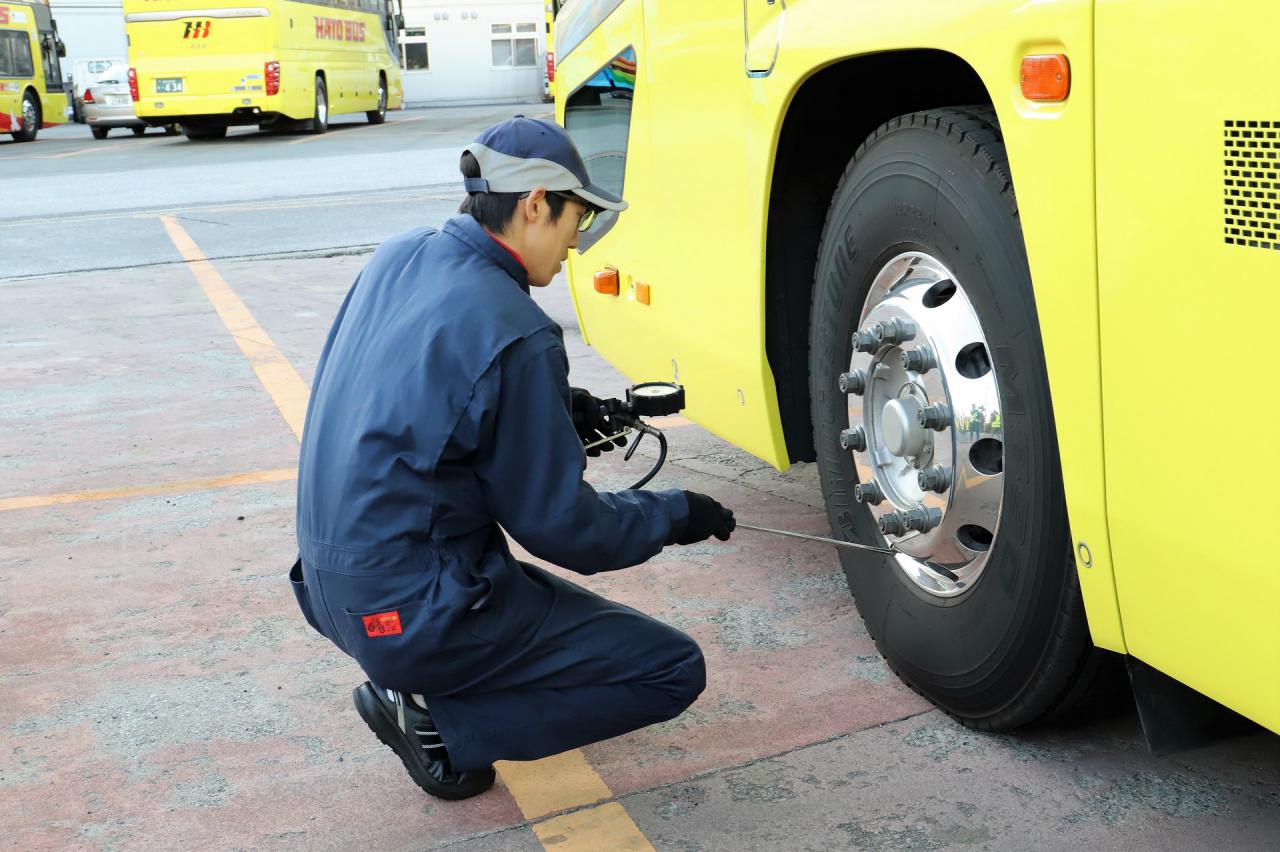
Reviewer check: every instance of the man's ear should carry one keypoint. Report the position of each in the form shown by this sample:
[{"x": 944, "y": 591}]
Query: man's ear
[{"x": 532, "y": 204}]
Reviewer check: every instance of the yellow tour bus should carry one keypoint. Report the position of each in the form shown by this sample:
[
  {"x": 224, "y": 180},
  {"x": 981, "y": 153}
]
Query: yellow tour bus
[
  {"x": 210, "y": 64},
  {"x": 32, "y": 94},
  {"x": 994, "y": 267}
]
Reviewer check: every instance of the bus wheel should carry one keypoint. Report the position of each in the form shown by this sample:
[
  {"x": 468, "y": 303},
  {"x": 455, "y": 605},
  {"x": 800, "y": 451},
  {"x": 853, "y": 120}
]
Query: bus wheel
[
  {"x": 934, "y": 428},
  {"x": 320, "y": 123},
  {"x": 99, "y": 132},
  {"x": 379, "y": 115},
  {"x": 31, "y": 119}
]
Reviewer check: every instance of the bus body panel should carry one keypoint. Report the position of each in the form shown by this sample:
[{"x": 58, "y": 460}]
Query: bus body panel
[
  {"x": 220, "y": 50},
  {"x": 697, "y": 228},
  {"x": 697, "y": 232},
  {"x": 32, "y": 22},
  {"x": 1189, "y": 262}
]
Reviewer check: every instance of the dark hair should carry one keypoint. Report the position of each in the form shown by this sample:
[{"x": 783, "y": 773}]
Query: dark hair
[{"x": 494, "y": 210}]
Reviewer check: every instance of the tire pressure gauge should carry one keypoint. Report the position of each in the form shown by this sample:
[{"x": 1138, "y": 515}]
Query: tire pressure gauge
[{"x": 655, "y": 399}]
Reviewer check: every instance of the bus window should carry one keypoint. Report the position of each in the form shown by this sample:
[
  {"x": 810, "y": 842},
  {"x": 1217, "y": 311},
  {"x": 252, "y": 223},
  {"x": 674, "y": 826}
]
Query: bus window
[
  {"x": 597, "y": 117},
  {"x": 49, "y": 45},
  {"x": 15, "y": 55}
]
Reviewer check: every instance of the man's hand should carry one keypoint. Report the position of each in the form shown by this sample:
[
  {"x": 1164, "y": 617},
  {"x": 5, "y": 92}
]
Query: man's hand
[
  {"x": 593, "y": 422},
  {"x": 706, "y": 518}
]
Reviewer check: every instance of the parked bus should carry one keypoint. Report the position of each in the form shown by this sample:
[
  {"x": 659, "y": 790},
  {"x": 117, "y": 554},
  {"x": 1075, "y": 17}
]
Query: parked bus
[
  {"x": 32, "y": 94},
  {"x": 993, "y": 266},
  {"x": 211, "y": 65}
]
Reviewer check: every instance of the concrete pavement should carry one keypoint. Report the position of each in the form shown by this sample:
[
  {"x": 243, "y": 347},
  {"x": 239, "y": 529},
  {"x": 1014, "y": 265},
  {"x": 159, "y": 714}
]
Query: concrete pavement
[{"x": 161, "y": 688}]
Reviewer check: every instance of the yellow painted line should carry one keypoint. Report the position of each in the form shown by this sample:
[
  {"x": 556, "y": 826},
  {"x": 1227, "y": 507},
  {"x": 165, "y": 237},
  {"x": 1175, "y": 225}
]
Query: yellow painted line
[
  {"x": 185, "y": 486},
  {"x": 608, "y": 827},
  {"x": 553, "y": 784},
  {"x": 542, "y": 787},
  {"x": 287, "y": 389}
]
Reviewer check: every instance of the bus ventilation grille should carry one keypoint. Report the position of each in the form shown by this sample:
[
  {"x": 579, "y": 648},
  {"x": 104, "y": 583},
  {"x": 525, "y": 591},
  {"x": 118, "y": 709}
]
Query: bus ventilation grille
[{"x": 1252, "y": 183}]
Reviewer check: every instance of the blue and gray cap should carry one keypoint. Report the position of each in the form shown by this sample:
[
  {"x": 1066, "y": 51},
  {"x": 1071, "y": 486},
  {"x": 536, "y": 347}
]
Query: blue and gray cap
[{"x": 522, "y": 154}]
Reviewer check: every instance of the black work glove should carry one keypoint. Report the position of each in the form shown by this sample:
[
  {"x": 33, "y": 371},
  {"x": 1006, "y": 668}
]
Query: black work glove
[
  {"x": 706, "y": 518},
  {"x": 593, "y": 422}
]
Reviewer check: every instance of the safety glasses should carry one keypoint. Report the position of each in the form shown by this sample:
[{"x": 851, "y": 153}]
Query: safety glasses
[{"x": 588, "y": 217}]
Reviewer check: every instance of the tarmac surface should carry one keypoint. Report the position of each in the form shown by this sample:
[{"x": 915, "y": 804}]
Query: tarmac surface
[{"x": 164, "y": 303}]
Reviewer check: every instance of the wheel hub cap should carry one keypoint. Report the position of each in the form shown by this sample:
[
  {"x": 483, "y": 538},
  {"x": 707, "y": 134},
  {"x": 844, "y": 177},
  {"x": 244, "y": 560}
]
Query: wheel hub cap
[{"x": 931, "y": 401}]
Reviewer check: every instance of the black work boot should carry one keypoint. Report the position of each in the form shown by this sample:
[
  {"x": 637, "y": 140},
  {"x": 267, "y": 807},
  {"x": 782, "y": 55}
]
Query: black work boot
[{"x": 407, "y": 727}]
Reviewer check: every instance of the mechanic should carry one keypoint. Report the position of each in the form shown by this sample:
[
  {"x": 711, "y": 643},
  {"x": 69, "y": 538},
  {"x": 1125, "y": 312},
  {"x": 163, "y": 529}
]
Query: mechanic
[{"x": 440, "y": 416}]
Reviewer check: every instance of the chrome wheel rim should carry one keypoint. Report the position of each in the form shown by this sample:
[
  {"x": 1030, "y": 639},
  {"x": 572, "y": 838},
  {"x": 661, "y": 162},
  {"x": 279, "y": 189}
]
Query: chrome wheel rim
[
  {"x": 382, "y": 100},
  {"x": 925, "y": 425},
  {"x": 322, "y": 106},
  {"x": 28, "y": 115}
]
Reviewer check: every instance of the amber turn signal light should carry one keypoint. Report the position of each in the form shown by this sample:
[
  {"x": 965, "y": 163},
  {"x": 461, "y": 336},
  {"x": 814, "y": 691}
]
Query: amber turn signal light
[
  {"x": 642, "y": 293},
  {"x": 607, "y": 282},
  {"x": 1046, "y": 77}
]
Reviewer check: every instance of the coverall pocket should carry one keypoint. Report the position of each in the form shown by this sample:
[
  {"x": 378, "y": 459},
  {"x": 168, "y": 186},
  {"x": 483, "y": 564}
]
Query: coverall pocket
[
  {"x": 394, "y": 645},
  {"x": 300, "y": 592}
]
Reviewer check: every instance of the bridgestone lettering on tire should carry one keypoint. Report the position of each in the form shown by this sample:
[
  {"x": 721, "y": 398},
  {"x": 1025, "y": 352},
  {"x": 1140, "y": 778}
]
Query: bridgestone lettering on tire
[{"x": 1003, "y": 642}]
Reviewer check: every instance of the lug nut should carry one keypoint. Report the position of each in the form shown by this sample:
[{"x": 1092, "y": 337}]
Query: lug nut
[
  {"x": 853, "y": 439},
  {"x": 919, "y": 519},
  {"x": 855, "y": 382},
  {"x": 865, "y": 341},
  {"x": 936, "y": 417},
  {"x": 919, "y": 360},
  {"x": 894, "y": 523},
  {"x": 895, "y": 331},
  {"x": 868, "y": 492},
  {"x": 922, "y": 519},
  {"x": 936, "y": 478}
]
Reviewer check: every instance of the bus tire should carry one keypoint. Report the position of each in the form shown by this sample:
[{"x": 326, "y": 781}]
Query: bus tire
[
  {"x": 99, "y": 132},
  {"x": 379, "y": 115},
  {"x": 1012, "y": 648},
  {"x": 31, "y": 118},
  {"x": 320, "y": 123}
]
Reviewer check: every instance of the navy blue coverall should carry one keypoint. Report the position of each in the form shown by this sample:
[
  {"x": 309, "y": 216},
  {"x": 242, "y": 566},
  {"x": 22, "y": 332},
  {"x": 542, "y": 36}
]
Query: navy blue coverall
[{"x": 439, "y": 412}]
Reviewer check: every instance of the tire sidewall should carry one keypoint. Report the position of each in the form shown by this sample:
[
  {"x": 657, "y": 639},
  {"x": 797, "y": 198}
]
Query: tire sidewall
[
  {"x": 28, "y": 134},
  {"x": 321, "y": 124},
  {"x": 914, "y": 189}
]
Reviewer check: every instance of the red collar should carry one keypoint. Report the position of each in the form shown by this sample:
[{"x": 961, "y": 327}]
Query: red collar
[{"x": 510, "y": 251}]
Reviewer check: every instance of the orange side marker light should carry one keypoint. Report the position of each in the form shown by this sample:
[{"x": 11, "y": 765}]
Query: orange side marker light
[
  {"x": 642, "y": 293},
  {"x": 607, "y": 282},
  {"x": 1046, "y": 77}
]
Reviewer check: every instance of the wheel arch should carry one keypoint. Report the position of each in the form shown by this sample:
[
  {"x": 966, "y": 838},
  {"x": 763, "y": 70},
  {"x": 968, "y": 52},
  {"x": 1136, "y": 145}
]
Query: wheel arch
[{"x": 812, "y": 152}]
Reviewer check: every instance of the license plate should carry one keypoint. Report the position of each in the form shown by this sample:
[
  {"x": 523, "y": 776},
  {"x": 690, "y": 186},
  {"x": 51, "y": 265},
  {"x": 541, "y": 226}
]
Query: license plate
[
  {"x": 168, "y": 85},
  {"x": 117, "y": 100}
]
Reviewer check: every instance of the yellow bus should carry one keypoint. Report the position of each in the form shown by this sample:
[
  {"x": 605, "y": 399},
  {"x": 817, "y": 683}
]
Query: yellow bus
[
  {"x": 210, "y": 64},
  {"x": 32, "y": 94},
  {"x": 995, "y": 267}
]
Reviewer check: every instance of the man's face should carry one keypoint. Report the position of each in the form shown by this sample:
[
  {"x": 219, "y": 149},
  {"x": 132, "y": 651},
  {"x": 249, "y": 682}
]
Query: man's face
[{"x": 547, "y": 242}]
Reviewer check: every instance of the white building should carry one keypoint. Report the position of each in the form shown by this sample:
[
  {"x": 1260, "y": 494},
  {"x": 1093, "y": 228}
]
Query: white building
[
  {"x": 485, "y": 50},
  {"x": 452, "y": 53}
]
